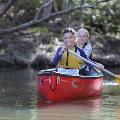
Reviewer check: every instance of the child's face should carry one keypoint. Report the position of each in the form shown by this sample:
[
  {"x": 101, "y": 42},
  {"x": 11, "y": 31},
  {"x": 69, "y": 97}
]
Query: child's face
[
  {"x": 82, "y": 37},
  {"x": 69, "y": 39}
]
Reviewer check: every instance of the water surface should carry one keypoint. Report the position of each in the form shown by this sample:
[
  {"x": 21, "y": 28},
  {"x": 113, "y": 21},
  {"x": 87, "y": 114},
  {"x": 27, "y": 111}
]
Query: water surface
[{"x": 18, "y": 100}]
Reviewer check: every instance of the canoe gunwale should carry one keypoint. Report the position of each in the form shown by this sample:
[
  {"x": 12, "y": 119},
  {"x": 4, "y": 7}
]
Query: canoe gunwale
[{"x": 48, "y": 73}]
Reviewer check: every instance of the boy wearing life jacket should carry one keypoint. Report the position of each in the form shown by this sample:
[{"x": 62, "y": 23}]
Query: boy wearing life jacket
[{"x": 67, "y": 62}]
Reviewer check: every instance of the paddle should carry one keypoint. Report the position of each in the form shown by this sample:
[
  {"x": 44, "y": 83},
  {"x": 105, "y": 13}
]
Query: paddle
[{"x": 117, "y": 77}]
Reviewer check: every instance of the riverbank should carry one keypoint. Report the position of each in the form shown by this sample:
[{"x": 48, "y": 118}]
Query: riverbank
[
  {"x": 37, "y": 51},
  {"x": 105, "y": 51}
]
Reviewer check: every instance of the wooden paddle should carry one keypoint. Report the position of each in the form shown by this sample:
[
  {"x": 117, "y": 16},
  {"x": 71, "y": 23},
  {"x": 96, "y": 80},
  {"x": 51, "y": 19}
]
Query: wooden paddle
[{"x": 117, "y": 77}]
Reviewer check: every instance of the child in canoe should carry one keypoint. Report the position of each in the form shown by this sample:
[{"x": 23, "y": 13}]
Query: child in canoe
[
  {"x": 67, "y": 62},
  {"x": 83, "y": 42},
  {"x": 83, "y": 37}
]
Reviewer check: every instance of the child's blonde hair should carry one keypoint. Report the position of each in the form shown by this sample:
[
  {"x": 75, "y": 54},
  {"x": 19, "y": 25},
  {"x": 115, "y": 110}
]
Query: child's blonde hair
[{"x": 83, "y": 30}]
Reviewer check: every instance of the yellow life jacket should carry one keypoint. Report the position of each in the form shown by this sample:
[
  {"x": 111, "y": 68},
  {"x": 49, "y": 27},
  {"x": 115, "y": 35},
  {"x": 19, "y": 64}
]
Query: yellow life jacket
[{"x": 69, "y": 60}]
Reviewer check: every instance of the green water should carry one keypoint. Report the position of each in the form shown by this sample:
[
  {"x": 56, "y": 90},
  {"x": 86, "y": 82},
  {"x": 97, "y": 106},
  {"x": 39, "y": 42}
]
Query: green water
[{"x": 18, "y": 100}]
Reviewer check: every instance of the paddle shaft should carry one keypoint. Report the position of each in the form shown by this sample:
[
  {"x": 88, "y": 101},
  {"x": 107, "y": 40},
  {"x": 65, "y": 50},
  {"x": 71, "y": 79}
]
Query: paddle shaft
[{"x": 91, "y": 63}]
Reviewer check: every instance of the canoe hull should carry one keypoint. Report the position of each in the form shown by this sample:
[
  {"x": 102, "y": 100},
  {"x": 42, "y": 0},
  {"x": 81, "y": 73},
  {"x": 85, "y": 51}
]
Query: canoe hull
[{"x": 56, "y": 87}]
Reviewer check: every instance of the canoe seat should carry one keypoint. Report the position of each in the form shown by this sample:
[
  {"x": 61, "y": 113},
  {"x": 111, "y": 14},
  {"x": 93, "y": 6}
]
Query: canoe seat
[{"x": 94, "y": 72}]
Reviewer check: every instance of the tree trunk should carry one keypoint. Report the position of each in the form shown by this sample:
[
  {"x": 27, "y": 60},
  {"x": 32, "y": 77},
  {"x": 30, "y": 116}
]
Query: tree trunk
[
  {"x": 66, "y": 17},
  {"x": 47, "y": 10},
  {"x": 80, "y": 24}
]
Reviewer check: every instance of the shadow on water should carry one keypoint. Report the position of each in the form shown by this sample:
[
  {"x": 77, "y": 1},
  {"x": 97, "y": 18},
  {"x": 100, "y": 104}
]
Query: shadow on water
[{"x": 17, "y": 88}]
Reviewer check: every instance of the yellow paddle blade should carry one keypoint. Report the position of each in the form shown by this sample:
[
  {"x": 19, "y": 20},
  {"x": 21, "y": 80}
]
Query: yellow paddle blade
[{"x": 118, "y": 79}]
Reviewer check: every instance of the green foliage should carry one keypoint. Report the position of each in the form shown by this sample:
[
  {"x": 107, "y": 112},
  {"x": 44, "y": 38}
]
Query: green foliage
[
  {"x": 29, "y": 8},
  {"x": 41, "y": 30},
  {"x": 59, "y": 4},
  {"x": 76, "y": 1},
  {"x": 21, "y": 11},
  {"x": 3, "y": 1},
  {"x": 108, "y": 14},
  {"x": 29, "y": 4},
  {"x": 91, "y": 1},
  {"x": 104, "y": 17}
]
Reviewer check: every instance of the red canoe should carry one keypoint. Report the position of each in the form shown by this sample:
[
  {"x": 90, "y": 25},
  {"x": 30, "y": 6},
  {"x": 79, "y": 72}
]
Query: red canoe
[{"x": 57, "y": 87}]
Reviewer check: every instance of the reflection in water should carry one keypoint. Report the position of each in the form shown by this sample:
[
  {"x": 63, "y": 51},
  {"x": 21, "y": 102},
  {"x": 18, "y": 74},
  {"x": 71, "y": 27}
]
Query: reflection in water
[
  {"x": 108, "y": 83},
  {"x": 84, "y": 109},
  {"x": 118, "y": 112},
  {"x": 110, "y": 107},
  {"x": 15, "y": 114},
  {"x": 16, "y": 87},
  {"x": 18, "y": 101}
]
